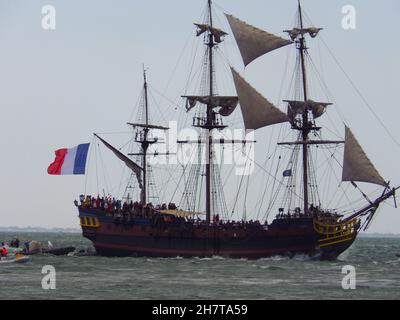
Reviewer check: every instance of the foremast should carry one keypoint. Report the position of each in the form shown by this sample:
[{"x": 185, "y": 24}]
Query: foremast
[{"x": 145, "y": 140}]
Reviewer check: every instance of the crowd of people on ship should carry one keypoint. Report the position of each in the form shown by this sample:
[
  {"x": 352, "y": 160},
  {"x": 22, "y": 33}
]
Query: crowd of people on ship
[
  {"x": 112, "y": 205},
  {"x": 129, "y": 210},
  {"x": 313, "y": 212}
]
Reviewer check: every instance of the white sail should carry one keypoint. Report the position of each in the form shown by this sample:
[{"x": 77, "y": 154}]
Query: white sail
[
  {"x": 257, "y": 111},
  {"x": 356, "y": 165},
  {"x": 254, "y": 42}
]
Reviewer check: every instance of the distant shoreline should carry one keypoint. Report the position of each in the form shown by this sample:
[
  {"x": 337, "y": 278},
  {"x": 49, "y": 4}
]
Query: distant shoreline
[{"x": 39, "y": 230}]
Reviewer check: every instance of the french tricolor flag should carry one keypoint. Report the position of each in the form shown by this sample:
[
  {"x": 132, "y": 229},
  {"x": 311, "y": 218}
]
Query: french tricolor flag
[{"x": 70, "y": 161}]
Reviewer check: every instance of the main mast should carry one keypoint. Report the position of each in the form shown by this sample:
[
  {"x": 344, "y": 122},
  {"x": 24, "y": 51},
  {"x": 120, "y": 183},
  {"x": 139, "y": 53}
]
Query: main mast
[
  {"x": 305, "y": 129},
  {"x": 215, "y": 107},
  {"x": 210, "y": 118}
]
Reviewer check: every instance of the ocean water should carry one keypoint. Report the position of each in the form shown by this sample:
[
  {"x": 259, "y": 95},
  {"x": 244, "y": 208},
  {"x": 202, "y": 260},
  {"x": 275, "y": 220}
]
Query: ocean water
[{"x": 377, "y": 275}]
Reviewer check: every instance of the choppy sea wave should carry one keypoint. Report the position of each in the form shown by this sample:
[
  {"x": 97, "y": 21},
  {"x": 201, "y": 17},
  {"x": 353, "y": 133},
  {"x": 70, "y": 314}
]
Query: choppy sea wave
[{"x": 375, "y": 260}]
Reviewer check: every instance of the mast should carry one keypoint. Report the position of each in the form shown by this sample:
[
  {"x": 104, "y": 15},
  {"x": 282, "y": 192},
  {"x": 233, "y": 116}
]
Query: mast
[
  {"x": 210, "y": 119},
  {"x": 142, "y": 138},
  {"x": 216, "y": 106},
  {"x": 145, "y": 143},
  {"x": 305, "y": 129}
]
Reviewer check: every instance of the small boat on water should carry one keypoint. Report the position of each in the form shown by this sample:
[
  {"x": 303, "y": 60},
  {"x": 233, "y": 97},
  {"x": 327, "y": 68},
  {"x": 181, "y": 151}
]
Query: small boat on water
[
  {"x": 35, "y": 247},
  {"x": 58, "y": 251},
  {"x": 17, "y": 259}
]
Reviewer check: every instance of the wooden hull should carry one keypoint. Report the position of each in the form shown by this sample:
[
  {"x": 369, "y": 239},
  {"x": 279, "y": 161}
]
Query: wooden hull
[{"x": 141, "y": 238}]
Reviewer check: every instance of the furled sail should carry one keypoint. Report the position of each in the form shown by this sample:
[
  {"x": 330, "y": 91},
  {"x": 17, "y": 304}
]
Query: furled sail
[
  {"x": 254, "y": 42},
  {"x": 227, "y": 103},
  {"x": 298, "y": 107},
  {"x": 130, "y": 164},
  {"x": 295, "y": 32},
  {"x": 257, "y": 111},
  {"x": 217, "y": 33},
  {"x": 356, "y": 165}
]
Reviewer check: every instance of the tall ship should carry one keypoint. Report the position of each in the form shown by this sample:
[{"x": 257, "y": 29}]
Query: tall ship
[{"x": 200, "y": 226}]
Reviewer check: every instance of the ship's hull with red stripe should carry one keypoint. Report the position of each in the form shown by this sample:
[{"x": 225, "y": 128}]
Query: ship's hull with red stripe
[{"x": 141, "y": 238}]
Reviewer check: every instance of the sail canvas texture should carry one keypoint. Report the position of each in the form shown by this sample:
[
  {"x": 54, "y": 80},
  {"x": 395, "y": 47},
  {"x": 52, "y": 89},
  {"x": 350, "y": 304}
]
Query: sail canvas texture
[
  {"x": 228, "y": 104},
  {"x": 254, "y": 42},
  {"x": 129, "y": 163},
  {"x": 257, "y": 111},
  {"x": 356, "y": 164}
]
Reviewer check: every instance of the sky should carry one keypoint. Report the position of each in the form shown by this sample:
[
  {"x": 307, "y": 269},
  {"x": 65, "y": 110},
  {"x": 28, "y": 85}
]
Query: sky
[{"x": 58, "y": 87}]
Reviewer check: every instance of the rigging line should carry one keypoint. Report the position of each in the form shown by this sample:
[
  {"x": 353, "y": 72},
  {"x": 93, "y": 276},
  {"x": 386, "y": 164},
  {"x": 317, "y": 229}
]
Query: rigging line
[
  {"x": 122, "y": 180},
  {"x": 244, "y": 216},
  {"x": 158, "y": 107},
  {"x": 139, "y": 100},
  {"x": 285, "y": 72},
  {"x": 237, "y": 197},
  {"x": 105, "y": 175},
  {"x": 314, "y": 178},
  {"x": 130, "y": 141},
  {"x": 171, "y": 177},
  {"x": 263, "y": 169},
  {"x": 228, "y": 176},
  {"x": 291, "y": 183},
  {"x": 328, "y": 93},
  {"x": 272, "y": 188},
  {"x": 164, "y": 96},
  {"x": 361, "y": 95},
  {"x": 325, "y": 176},
  {"x": 350, "y": 206},
  {"x": 110, "y": 133},
  {"x": 195, "y": 49},
  {"x": 97, "y": 166},
  {"x": 261, "y": 198},
  {"x": 372, "y": 194},
  {"x": 273, "y": 155},
  {"x": 198, "y": 173},
  {"x": 178, "y": 63},
  {"x": 183, "y": 176},
  {"x": 89, "y": 158},
  {"x": 334, "y": 173},
  {"x": 343, "y": 195}
]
